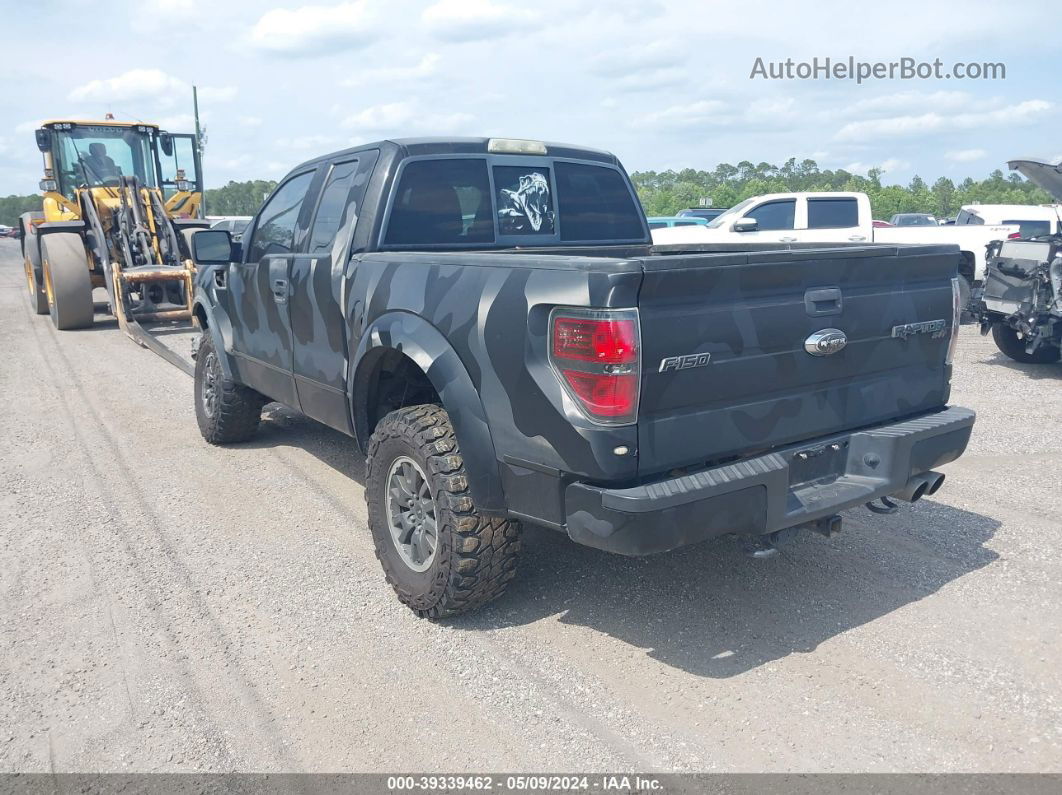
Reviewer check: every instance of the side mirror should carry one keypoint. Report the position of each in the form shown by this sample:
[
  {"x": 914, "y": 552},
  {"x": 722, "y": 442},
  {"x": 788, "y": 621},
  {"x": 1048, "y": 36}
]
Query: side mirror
[
  {"x": 745, "y": 225},
  {"x": 44, "y": 139},
  {"x": 166, "y": 144},
  {"x": 212, "y": 247}
]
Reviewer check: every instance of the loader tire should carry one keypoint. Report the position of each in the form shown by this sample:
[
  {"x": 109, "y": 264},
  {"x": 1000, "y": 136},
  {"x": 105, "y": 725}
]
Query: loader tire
[
  {"x": 31, "y": 259},
  {"x": 67, "y": 280},
  {"x": 1009, "y": 343},
  {"x": 226, "y": 412},
  {"x": 439, "y": 553}
]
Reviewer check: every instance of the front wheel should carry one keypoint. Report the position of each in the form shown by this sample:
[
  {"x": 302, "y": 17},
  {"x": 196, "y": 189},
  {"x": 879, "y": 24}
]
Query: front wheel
[
  {"x": 67, "y": 280},
  {"x": 439, "y": 553},
  {"x": 226, "y": 412},
  {"x": 1009, "y": 343}
]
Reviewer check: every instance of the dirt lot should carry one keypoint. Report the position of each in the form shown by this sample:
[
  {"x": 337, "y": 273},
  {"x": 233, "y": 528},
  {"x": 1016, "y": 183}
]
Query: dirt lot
[{"x": 166, "y": 605}]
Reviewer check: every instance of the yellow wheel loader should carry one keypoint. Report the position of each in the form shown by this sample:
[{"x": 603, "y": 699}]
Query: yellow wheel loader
[{"x": 121, "y": 202}]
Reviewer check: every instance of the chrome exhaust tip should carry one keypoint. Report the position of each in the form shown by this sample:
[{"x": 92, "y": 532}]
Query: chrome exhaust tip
[{"x": 920, "y": 486}]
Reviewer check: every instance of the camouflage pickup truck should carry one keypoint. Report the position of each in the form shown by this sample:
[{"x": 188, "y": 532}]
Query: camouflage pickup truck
[{"x": 490, "y": 323}]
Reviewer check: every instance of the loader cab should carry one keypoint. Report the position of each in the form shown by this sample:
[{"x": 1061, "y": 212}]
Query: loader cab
[{"x": 96, "y": 155}]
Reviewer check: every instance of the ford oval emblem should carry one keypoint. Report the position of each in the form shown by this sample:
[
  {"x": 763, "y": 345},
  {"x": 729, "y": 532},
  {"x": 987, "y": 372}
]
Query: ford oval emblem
[{"x": 825, "y": 342}]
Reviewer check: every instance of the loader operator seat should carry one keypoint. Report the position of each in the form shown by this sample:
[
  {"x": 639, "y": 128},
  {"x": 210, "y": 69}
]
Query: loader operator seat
[{"x": 100, "y": 165}]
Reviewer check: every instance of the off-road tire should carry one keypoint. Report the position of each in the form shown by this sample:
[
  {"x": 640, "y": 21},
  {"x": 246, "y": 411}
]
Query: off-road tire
[
  {"x": 237, "y": 409},
  {"x": 965, "y": 288},
  {"x": 1009, "y": 343},
  {"x": 67, "y": 280},
  {"x": 38, "y": 297},
  {"x": 475, "y": 557}
]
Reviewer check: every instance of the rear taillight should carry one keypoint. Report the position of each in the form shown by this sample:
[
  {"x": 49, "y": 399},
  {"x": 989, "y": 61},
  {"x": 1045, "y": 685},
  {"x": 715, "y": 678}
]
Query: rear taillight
[
  {"x": 956, "y": 318},
  {"x": 1014, "y": 236},
  {"x": 596, "y": 354}
]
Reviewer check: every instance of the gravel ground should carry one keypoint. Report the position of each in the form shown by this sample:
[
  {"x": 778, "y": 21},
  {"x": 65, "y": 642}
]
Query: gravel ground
[{"x": 169, "y": 606}]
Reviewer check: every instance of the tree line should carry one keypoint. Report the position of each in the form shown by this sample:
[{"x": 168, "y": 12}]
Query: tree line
[{"x": 667, "y": 192}]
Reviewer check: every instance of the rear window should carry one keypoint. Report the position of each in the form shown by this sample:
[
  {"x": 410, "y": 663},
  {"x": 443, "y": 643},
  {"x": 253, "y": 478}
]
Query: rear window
[
  {"x": 595, "y": 204},
  {"x": 1029, "y": 229},
  {"x": 449, "y": 202},
  {"x": 442, "y": 202},
  {"x": 832, "y": 213}
]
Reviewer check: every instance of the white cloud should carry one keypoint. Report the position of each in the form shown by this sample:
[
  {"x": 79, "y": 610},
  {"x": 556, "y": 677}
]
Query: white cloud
[
  {"x": 217, "y": 93},
  {"x": 888, "y": 166},
  {"x": 312, "y": 29},
  {"x": 911, "y": 102},
  {"x": 466, "y": 20},
  {"x": 305, "y": 142},
  {"x": 27, "y": 127},
  {"x": 135, "y": 85},
  {"x": 932, "y": 122},
  {"x": 965, "y": 155},
  {"x": 686, "y": 116},
  {"x": 716, "y": 113},
  {"x": 404, "y": 118},
  {"x": 251, "y": 121},
  {"x": 425, "y": 67},
  {"x": 178, "y": 122}
]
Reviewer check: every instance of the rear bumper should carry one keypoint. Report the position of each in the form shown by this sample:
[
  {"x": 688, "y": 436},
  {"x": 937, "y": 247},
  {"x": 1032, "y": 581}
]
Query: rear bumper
[{"x": 787, "y": 487}]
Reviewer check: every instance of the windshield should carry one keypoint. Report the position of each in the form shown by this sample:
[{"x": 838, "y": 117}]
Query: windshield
[
  {"x": 730, "y": 215},
  {"x": 97, "y": 155}
]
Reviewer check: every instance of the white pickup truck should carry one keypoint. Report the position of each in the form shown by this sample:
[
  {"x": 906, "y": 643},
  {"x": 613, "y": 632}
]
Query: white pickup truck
[{"x": 831, "y": 218}]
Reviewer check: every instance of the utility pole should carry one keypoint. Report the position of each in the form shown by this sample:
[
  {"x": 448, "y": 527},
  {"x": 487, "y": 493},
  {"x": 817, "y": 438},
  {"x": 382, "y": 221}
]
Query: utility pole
[{"x": 199, "y": 147}]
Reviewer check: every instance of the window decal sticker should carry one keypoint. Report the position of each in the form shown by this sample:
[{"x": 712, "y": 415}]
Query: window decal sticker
[{"x": 525, "y": 202}]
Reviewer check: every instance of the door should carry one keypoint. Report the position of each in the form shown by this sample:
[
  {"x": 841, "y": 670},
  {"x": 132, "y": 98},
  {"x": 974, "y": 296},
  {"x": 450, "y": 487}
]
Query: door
[
  {"x": 183, "y": 157},
  {"x": 833, "y": 219},
  {"x": 258, "y": 294},
  {"x": 776, "y": 221},
  {"x": 317, "y": 318}
]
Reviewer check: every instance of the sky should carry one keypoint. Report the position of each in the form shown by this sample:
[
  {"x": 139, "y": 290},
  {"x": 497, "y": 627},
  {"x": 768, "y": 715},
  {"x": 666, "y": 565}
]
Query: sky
[{"x": 661, "y": 84}]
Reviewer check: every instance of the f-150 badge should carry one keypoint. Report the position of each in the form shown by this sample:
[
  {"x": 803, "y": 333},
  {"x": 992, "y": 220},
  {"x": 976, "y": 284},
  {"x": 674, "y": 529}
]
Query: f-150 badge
[
  {"x": 684, "y": 362},
  {"x": 825, "y": 342}
]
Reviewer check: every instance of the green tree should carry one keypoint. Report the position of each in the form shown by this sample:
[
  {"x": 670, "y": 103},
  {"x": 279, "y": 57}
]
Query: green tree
[{"x": 11, "y": 207}]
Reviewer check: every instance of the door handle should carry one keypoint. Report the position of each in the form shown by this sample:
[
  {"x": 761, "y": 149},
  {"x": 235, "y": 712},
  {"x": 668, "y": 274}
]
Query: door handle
[
  {"x": 857, "y": 237},
  {"x": 280, "y": 290},
  {"x": 824, "y": 301},
  {"x": 788, "y": 239}
]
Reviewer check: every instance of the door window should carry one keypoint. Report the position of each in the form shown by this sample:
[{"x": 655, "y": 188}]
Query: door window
[
  {"x": 774, "y": 215},
  {"x": 332, "y": 208},
  {"x": 832, "y": 213},
  {"x": 275, "y": 230}
]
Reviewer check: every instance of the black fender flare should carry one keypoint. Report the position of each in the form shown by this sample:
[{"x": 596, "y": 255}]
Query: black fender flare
[
  {"x": 219, "y": 329},
  {"x": 417, "y": 339}
]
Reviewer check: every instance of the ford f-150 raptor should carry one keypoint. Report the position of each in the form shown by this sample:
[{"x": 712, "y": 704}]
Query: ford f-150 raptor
[{"x": 489, "y": 320}]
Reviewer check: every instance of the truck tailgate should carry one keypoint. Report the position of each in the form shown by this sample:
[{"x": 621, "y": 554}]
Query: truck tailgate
[{"x": 752, "y": 313}]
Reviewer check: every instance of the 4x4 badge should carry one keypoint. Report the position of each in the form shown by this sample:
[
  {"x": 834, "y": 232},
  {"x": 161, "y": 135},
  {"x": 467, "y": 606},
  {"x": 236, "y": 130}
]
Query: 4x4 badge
[{"x": 825, "y": 342}]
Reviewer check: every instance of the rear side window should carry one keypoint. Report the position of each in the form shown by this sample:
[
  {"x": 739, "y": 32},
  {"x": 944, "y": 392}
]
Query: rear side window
[
  {"x": 275, "y": 231},
  {"x": 594, "y": 203},
  {"x": 1029, "y": 229},
  {"x": 965, "y": 217},
  {"x": 832, "y": 213},
  {"x": 332, "y": 206},
  {"x": 774, "y": 215},
  {"x": 442, "y": 202}
]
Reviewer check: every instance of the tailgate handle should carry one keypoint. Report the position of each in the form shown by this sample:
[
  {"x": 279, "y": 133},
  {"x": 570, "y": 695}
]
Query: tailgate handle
[{"x": 824, "y": 301}]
